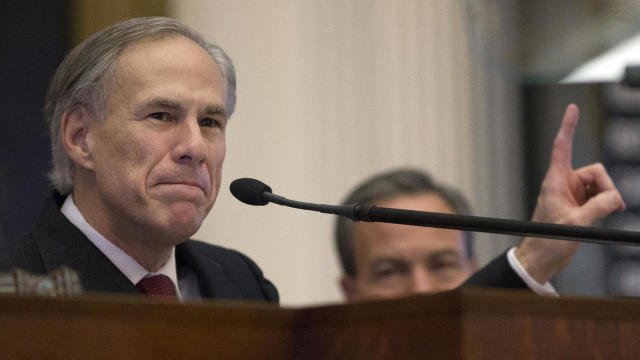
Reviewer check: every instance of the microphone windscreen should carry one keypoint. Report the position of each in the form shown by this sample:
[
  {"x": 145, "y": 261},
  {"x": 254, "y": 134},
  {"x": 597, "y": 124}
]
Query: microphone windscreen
[{"x": 249, "y": 191}]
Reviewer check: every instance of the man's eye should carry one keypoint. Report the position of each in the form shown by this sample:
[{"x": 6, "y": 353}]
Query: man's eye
[
  {"x": 160, "y": 116},
  {"x": 385, "y": 273},
  {"x": 446, "y": 265},
  {"x": 388, "y": 271},
  {"x": 209, "y": 122}
]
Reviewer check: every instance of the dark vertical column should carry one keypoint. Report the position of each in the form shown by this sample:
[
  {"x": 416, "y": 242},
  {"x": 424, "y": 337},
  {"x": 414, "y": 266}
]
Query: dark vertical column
[
  {"x": 621, "y": 155},
  {"x": 32, "y": 42}
]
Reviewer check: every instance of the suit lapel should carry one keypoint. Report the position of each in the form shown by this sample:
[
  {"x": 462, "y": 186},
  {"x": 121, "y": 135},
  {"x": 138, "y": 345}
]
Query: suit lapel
[
  {"x": 61, "y": 243},
  {"x": 213, "y": 282}
]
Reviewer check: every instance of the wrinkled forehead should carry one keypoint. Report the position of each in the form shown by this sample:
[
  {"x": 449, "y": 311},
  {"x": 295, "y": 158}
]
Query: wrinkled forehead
[
  {"x": 382, "y": 239},
  {"x": 173, "y": 47},
  {"x": 167, "y": 63},
  {"x": 420, "y": 201}
]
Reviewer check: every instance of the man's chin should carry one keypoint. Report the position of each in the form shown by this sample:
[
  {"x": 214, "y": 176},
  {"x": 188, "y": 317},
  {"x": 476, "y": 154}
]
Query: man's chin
[
  {"x": 185, "y": 220},
  {"x": 180, "y": 231}
]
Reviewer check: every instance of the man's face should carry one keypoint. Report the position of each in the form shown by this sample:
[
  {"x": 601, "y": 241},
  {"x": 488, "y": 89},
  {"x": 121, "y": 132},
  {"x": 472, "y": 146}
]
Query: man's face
[
  {"x": 399, "y": 260},
  {"x": 157, "y": 156}
]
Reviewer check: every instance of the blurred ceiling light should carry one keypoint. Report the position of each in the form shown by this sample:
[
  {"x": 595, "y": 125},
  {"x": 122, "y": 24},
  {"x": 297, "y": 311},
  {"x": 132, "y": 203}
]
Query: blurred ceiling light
[{"x": 609, "y": 66}]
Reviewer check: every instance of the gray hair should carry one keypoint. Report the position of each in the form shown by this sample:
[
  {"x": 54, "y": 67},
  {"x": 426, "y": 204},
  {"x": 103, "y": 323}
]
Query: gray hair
[
  {"x": 386, "y": 186},
  {"x": 83, "y": 78}
]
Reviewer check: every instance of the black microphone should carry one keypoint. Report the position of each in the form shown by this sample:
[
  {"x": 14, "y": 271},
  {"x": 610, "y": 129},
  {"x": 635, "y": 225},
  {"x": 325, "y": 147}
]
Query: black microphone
[{"x": 254, "y": 192}]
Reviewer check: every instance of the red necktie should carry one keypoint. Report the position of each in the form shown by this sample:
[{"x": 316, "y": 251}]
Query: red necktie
[{"x": 157, "y": 286}]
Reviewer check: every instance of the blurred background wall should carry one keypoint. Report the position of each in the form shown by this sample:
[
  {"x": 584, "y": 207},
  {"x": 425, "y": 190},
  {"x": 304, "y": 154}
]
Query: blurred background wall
[
  {"x": 330, "y": 92},
  {"x": 333, "y": 91}
]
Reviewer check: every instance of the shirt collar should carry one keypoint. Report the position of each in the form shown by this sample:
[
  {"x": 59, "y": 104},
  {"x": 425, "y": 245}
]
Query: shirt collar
[{"x": 125, "y": 263}]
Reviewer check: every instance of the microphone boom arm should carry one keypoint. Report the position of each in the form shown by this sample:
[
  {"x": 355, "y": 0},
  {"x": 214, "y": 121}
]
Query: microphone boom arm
[
  {"x": 255, "y": 192},
  {"x": 372, "y": 213},
  {"x": 499, "y": 226},
  {"x": 342, "y": 210}
]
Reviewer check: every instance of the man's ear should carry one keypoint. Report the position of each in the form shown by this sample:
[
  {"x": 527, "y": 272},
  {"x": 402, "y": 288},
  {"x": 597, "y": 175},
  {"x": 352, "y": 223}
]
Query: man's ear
[
  {"x": 74, "y": 129},
  {"x": 349, "y": 287}
]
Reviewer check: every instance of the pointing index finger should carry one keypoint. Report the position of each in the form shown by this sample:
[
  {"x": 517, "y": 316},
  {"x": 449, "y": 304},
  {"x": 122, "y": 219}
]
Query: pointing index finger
[{"x": 563, "y": 143}]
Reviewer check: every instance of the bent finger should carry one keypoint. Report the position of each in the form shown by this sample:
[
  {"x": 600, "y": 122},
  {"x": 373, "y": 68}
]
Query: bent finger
[
  {"x": 599, "y": 207},
  {"x": 596, "y": 178}
]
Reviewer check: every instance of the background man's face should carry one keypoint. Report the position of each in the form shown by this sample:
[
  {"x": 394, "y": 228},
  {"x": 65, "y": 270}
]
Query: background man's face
[
  {"x": 400, "y": 260},
  {"x": 158, "y": 153}
]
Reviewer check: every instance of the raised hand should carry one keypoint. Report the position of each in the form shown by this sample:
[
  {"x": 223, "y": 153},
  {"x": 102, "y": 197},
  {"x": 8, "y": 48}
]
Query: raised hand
[{"x": 567, "y": 196}]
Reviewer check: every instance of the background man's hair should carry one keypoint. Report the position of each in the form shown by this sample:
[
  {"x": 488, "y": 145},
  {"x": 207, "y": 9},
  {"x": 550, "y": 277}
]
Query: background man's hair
[
  {"x": 388, "y": 185},
  {"x": 84, "y": 78}
]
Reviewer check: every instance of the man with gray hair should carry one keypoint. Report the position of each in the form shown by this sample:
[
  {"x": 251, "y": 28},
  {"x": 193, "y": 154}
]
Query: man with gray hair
[
  {"x": 138, "y": 114},
  {"x": 382, "y": 260},
  {"x": 390, "y": 260}
]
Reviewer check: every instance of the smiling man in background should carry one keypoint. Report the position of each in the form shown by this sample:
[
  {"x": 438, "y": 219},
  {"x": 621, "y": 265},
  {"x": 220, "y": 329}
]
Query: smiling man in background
[{"x": 393, "y": 260}]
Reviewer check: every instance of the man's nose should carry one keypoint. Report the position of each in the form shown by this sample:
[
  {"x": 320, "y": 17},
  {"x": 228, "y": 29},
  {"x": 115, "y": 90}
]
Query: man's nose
[
  {"x": 191, "y": 144},
  {"x": 422, "y": 282}
]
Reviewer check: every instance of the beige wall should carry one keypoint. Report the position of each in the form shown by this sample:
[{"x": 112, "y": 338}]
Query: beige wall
[{"x": 332, "y": 91}]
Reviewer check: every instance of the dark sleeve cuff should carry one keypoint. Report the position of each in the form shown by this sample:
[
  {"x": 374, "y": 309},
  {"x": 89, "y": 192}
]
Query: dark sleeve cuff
[{"x": 496, "y": 274}]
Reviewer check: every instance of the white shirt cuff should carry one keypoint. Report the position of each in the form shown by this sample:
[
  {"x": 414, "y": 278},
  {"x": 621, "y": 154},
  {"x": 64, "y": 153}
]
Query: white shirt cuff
[{"x": 545, "y": 289}]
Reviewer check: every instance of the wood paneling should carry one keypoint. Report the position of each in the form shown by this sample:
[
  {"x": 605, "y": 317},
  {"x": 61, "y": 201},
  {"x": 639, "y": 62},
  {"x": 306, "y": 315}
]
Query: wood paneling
[
  {"x": 469, "y": 324},
  {"x": 89, "y": 16}
]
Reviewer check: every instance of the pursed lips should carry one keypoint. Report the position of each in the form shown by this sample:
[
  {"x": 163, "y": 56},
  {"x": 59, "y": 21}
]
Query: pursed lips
[
  {"x": 187, "y": 183},
  {"x": 202, "y": 185},
  {"x": 185, "y": 179}
]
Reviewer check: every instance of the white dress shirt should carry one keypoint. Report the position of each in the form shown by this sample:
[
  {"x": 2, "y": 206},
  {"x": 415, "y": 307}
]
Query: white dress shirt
[
  {"x": 125, "y": 263},
  {"x": 540, "y": 289}
]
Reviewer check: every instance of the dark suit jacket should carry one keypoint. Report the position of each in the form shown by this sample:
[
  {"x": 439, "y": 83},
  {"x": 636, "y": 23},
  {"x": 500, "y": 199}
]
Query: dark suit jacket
[
  {"x": 53, "y": 242},
  {"x": 497, "y": 274}
]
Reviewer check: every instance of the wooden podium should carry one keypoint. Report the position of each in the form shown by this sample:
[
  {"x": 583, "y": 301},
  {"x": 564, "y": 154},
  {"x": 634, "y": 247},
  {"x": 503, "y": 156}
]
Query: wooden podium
[{"x": 464, "y": 324}]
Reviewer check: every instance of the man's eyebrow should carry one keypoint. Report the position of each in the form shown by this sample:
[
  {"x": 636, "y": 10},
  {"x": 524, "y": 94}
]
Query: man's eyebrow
[
  {"x": 444, "y": 252},
  {"x": 164, "y": 102},
  {"x": 216, "y": 110},
  {"x": 174, "y": 104},
  {"x": 387, "y": 260}
]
